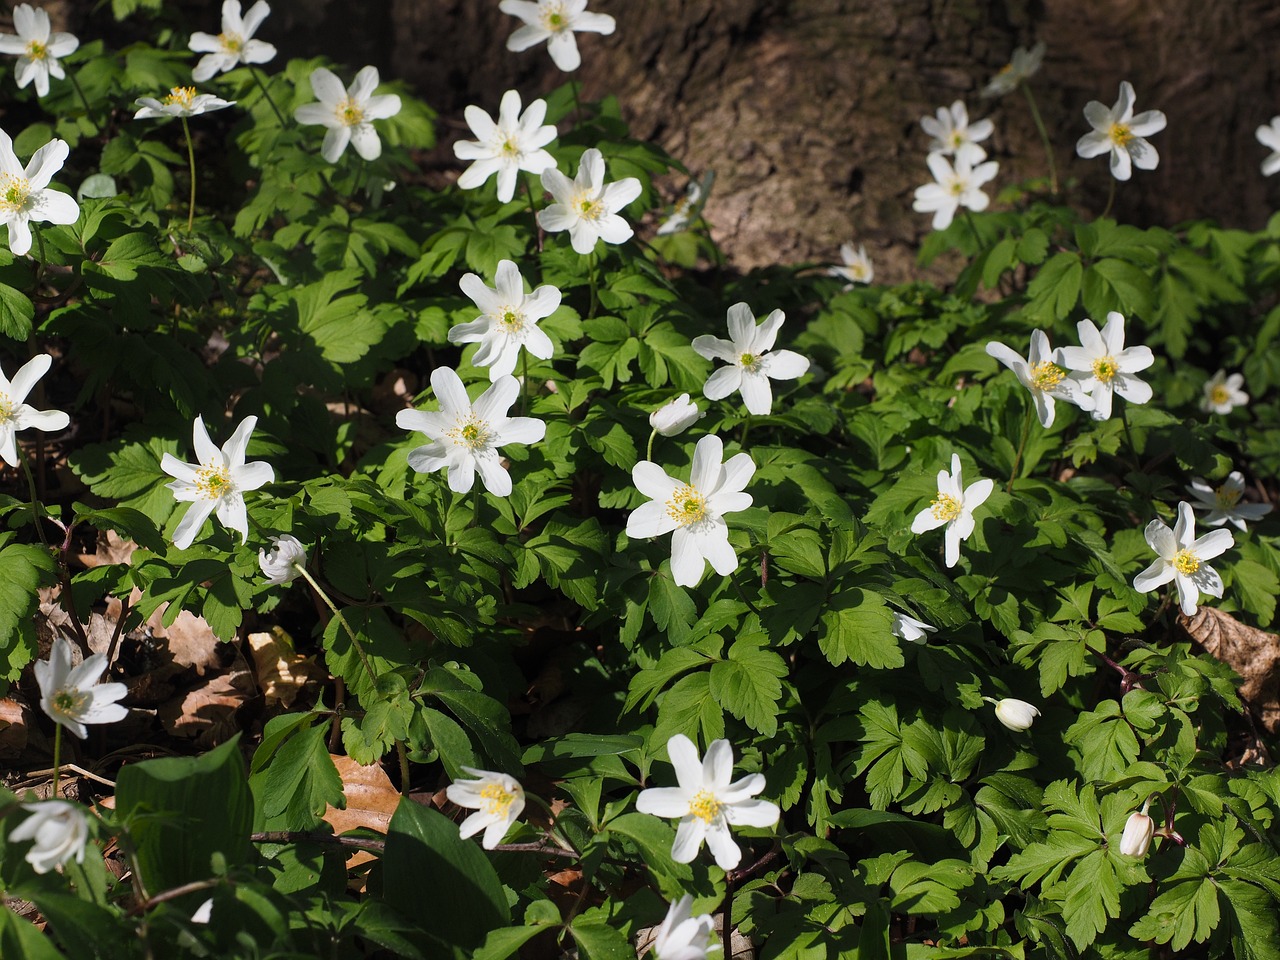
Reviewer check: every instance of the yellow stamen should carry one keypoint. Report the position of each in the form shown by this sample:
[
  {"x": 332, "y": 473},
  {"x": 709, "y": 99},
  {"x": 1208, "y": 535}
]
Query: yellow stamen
[
  {"x": 510, "y": 320},
  {"x": 748, "y": 361},
  {"x": 1219, "y": 395},
  {"x": 1186, "y": 562},
  {"x": 1120, "y": 134},
  {"x": 687, "y": 506},
  {"x": 214, "y": 482},
  {"x": 470, "y": 432},
  {"x": 946, "y": 507},
  {"x": 554, "y": 19},
  {"x": 37, "y": 50},
  {"x": 6, "y": 408},
  {"x": 1045, "y": 375},
  {"x": 498, "y": 800},
  {"x": 1105, "y": 369},
  {"x": 705, "y": 806},
  {"x": 14, "y": 192},
  {"x": 181, "y": 96},
  {"x": 1227, "y": 497},
  {"x": 510, "y": 147},
  {"x": 589, "y": 208},
  {"x": 349, "y": 113},
  {"x": 69, "y": 701},
  {"x": 231, "y": 42}
]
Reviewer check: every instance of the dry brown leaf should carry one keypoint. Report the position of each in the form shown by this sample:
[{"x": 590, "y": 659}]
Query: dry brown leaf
[
  {"x": 15, "y": 720},
  {"x": 190, "y": 639},
  {"x": 207, "y": 712},
  {"x": 371, "y": 800},
  {"x": 111, "y": 548},
  {"x": 282, "y": 672},
  {"x": 1252, "y": 653}
]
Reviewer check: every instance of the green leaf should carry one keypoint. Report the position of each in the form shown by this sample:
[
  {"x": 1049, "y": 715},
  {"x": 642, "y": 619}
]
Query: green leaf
[
  {"x": 23, "y": 570},
  {"x": 298, "y": 783},
  {"x": 599, "y": 941},
  {"x": 1182, "y": 913},
  {"x": 16, "y": 313},
  {"x": 747, "y": 683},
  {"x": 1055, "y": 289},
  {"x": 858, "y": 626}
]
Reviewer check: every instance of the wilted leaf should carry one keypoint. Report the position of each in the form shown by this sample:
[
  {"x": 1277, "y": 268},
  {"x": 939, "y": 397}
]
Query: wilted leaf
[{"x": 1252, "y": 653}]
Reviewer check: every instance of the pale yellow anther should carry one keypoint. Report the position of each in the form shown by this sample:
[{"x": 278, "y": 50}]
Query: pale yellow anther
[
  {"x": 705, "y": 806},
  {"x": 1186, "y": 562},
  {"x": 497, "y": 800},
  {"x": 687, "y": 506},
  {"x": 1105, "y": 369},
  {"x": 1120, "y": 134},
  {"x": 945, "y": 507},
  {"x": 213, "y": 482},
  {"x": 1045, "y": 375}
]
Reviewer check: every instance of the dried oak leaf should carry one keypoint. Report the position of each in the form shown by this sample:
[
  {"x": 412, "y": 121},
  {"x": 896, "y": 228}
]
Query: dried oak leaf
[
  {"x": 371, "y": 800},
  {"x": 1252, "y": 653},
  {"x": 282, "y": 672},
  {"x": 15, "y": 720},
  {"x": 207, "y": 712}
]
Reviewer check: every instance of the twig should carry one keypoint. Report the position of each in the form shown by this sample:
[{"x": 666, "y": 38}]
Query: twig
[
  {"x": 324, "y": 839},
  {"x": 172, "y": 894}
]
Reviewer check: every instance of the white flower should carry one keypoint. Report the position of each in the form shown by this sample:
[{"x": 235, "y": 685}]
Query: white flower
[
  {"x": 911, "y": 629},
  {"x": 25, "y": 193},
  {"x": 954, "y": 188},
  {"x": 512, "y": 144},
  {"x": 675, "y": 416},
  {"x": 706, "y": 802},
  {"x": 1042, "y": 373},
  {"x": 1138, "y": 831},
  {"x": 1223, "y": 503},
  {"x": 281, "y": 564},
  {"x": 36, "y": 48},
  {"x": 682, "y": 936},
  {"x": 348, "y": 113},
  {"x": 1024, "y": 65},
  {"x": 555, "y": 21},
  {"x": 235, "y": 44},
  {"x": 509, "y": 320},
  {"x": 16, "y": 415},
  {"x": 1106, "y": 366},
  {"x": 683, "y": 211},
  {"x": 1269, "y": 136},
  {"x": 586, "y": 206},
  {"x": 693, "y": 512},
  {"x": 954, "y": 506},
  {"x": 953, "y": 134},
  {"x": 857, "y": 266},
  {"x": 216, "y": 483},
  {"x": 1222, "y": 393},
  {"x": 466, "y": 437},
  {"x": 1017, "y": 715},
  {"x": 179, "y": 102},
  {"x": 751, "y": 362},
  {"x": 497, "y": 799},
  {"x": 1122, "y": 134},
  {"x": 1182, "y": 559},
  {"x": 60, "y": 830},
  {"x": 72, "y": 696}
]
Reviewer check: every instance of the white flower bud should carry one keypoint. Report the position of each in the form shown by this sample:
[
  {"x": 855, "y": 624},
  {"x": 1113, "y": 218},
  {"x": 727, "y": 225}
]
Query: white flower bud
[
  {"x": 280, "y": 565},
  {"x": 1138, "y": 831},
  {"x": 1016, "y": 714},
  {"x": 675, "y": 416}
]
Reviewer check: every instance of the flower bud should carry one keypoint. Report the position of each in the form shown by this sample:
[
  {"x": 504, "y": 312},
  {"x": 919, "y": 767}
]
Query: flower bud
[
  {"x": 1138, "y": 831},
  {"x": 280, "y": 565},
  {"x": 675, "y": 416},
  {"x": 1016, "y": 714}
]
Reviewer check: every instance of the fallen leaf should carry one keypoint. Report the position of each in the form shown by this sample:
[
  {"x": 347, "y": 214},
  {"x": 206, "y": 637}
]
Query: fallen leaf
[
  {"x": 1252, "y": 653},
  {"x": 15, "y": 719},
  {"x": 371, "y": 800},
  {"x": 282, "y": 672},
  {"x": 207, "y": 712},
  {"x": 111, "y": 548}
]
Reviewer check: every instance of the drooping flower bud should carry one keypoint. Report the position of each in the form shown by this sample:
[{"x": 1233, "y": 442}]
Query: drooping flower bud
[
  {"x": 281, "y": 564},
  {"x": 1016, "y": 714},
  {"x": 675, "y": 416},
  {"x": 1138, "y": 831}
]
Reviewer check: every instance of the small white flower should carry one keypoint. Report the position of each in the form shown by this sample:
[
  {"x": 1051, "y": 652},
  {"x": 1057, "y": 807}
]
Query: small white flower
[
  {"x": 1222, "y": 393},
  {"x": 72, "y": 696},
  {"x": 953, "y": 188},
  {"x": 217, "y": 482},
  {"x": 1044, "y": 375},
  {"x": 348, "y": 114},
  {"x": 586, "y": 206},
  {"x": 683, "y": 211},
  {"x": 954, "y": 135},
  {"x": 954, "y": 506},
  {"x": 693, "y": 512},
  {"x": 235, "y": 44},
  {"x": 857, "y": 266},
  {"x": 911, "y": 629},
  {"x": 1269, "y": 137},
  {"x": 751, "y": 359},
  {"x": 1138, "y": 831},
  {"x": 675, "y": 416},
  {"x": 555, "y": 21},
  {"x": 179, "y": 102},
  {"x": 706, "y": 802},
  {"x": 1017, "y": 715},
  {"x": 1182, "y": 559},
  {"x": 498, "y": 800},
  {"x": 36, "y": 47},
  {"x": 1120, "y": 133},
  {"x": 1223, "y": 503},
  {"x": 281, "y": 563},
  {"x": 204, "y": 912},
  {"x": 465, "y": 436},
  {"x": 60, "y": 830},
  {"x": 682, "y": 936},
  {"x": 512, "y": 144},
  {"x": 25, "y": 194},
  {"x": 16, "y": 415},
  {"x": 1104, "y": 366},
  {"x": 1022, "y": 66},
  {"x": 509, "y": 320}
]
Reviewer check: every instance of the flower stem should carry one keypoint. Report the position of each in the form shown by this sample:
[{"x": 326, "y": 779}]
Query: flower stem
[
  {"x": 1022, "y": 446},
  {"x": 524, "y": 383},
  {"x": 1128, "y": 435},
  {"x": 1111, "y": 199},
  {"x": 1044, "y": 136},
  {"x": 537, "y": 227},
  {"x": 266, "y": 94},
  {"x": 337, "y": 615},
  {"x": 591, "y": 311},
  {"x": 475, "y": 512},
  {"x": 973, "y": 228},
  {"x": 648, "y": 453},
  {"x": 191, "y": 166},
  {"x": 57, "y": 756},
  {"x": 37, "y": 508},
  {"x": 403, "y": 754},
  {"x": 746, "y": 428}
]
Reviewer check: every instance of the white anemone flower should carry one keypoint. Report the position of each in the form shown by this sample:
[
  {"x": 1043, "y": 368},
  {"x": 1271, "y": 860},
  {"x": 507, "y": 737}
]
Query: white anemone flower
[
  {"x": 514, "y": 143},
  {"x": 953, "y": 188},
  {"x": 348, "y": 114},
  {"x": 37, "y": 48},
  {"x": 751, "y": 359},
  {"x": 179, "y": 102},
  {"x": 17, "y": 415},
  {"x": 72, "y": 696},
  {"x": 586, "y": 206},
  {"x": 675, "y": 416},
  {"x": 1118, "y": 132},
  {"x": 1023, "y": 65},
  {"x": 953, "y": 506},
  {"x": 281, "y": 564},
  {"x": 1223, "y": 502},
  {"x": 498, "y": 800},
  {"x": 707, "y": 803},
  {"x": 1017, "y": 715},
  {"x": 1222, "y": 393},
  {"x": 910, "y": 629},
  {"x": 1269, "y": 136},
  {"x": 60, "y": 830},
  {"x": 25, "y": 195},
  {"x": 1182, "y": 559},
  {"x": 954, "y": 135},
  {"x": 235, "y": 44},
  {"x": 217, "y": 483},
  {"x": 1043, "y": 373},
  {"x": 683, "y": 211},
  {"x": 555, "y": 21},
  {"x": 1104, "y": 366},
  {"x": 508, "y": 319},
  {"x": 682, "y": 936},
  {"x": 693, "y": 512},
  {"x": 465, "y": 437},
  {"x": 857, "y": 267}
]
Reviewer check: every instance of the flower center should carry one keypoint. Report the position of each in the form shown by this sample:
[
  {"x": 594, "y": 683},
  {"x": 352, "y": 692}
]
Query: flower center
[
  {"x": 231, "y": 42},
  {"x": 957, "y": 188},
  {"x": 1227, "y": 497},
  {"x": 749, "y": 362},
  {"x": 511, "y": 321},
  {"x": 945, "y": 506},
  {"x": 14, "y": 192},
  {"x": 1219, "y": 395},
  {"x": 957, "y": 138},
  {"x": 553, "y": 18},
  {"x": 687, "y": 506},
  {"x": 6, "y": 408},
  {"x": 1120, "y": 134},
  {"x": 705, "y": 806},
  {"x": 497, "y": 800},
  {"x": 511, "y": 147},
  {"x": 1045, "y": 375},
  {"x": 180, "y": 96},
  {"x": 589, "y": 208},
  {"x": 1105, "y": 369},
  {"x": 1185, "y": 562},
  {"x": 37, "y": 50},
  {"x": 349, "y": 112},
  {"x": 471, "y": 432},
  {"x": 69, "y": 701},
  {"x": 214, "y": 483}
]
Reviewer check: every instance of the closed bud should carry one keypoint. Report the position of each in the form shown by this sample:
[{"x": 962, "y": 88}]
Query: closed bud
[
  {"x": 675, "y": 416},
  {"x": 1016, "y": 714},
  {"x": 1138, "y": 831},
  {"x": 281, "y": 564}
]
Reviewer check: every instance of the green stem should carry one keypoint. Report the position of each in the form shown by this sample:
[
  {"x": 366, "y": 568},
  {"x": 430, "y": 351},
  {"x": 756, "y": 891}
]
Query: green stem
[
  {"x": 537, "y": 227},
  {"x": 475, "y": 513},
  {"x": 337, "y": 615},
  {"x": 191, "y": 166},
  {"x": 403, "y": 754},
  {"x": 524, "y": 382},
  {"x": 57, "y": 756},
  {"x": 746, "y": 427},
  {"x": 80, "y": 92},
  {"x": 591, "y": 312},
  {"x": 1044, "y": 136},
  {"x": 1022, "y": 445},
  {"x": 1128, "y": 436},
  {"x": 267, "y": 94},
  {"x": 43, "y": 258},
  {"x": 973, "y": 228},
  {"x": 1111, "y": 199},
  {"x": 648, "y": 453},
  {"x": 37, "y": 508}
]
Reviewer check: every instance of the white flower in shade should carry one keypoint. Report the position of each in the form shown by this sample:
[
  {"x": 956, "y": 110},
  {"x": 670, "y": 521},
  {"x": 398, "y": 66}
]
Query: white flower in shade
[
  {"x": 282, "y": 562},
  {"x": 586, "y": 206},
  {"x": 16, "y": 415},
  {"x": 217, "y": 483},
  {"x": 954, "y": 187},
  {"x": 675, "y": 416},
  {"x": 25, "y": 194},
  {"x": 953, "y": 506},
  {"x": 1138, "y": 831},
  {"x": 1043, "y": 373},
  {"x": 1104, "y": 366},
  {"x": 911, "y": 629},
  {"x": 498, "y": 800},
  {"x": 348, "y": 114},
  {"x": 683, "y": 211},
  {"x": 751, "y": 359},
  {"x": 857, "y": 266},
  {"x": 555, "y": 21},
  {"x": 72, "y": 696},
  {"x": 512, "y": 144},
  {"x": 1017, "y": 715},
  {"x": 1269, "y": 137},
  {"x": 179, "y": 102},
  {"x": 1022, "y": 66},
  {"x": 953, "y": 134},
  {"x": 60, "y": 830},
  {"x": 508, "y": 320},
  {"x": 1118, "y": 132},
  {"x": 1181, "y": 558},
  {"x": 1223, "y": 502},
  {"x": 465, "y": 436},
  {"x": 235, "y": 44},
  {"x": 37, "y": 48},
  {"x": 707, "y": 803},
  {"x": 682, "y": 936},
  {"x": 693, "y": 512},
  {"x": 1222, "y": 393}
]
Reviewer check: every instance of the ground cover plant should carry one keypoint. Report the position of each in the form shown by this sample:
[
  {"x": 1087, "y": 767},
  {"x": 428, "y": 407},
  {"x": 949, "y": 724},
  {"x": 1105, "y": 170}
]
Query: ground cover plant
[{"x": 575, "y": 592}]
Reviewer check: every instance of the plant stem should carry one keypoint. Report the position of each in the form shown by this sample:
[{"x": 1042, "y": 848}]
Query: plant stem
[
  {"x": 191, "y": 166},
  {"x": 524, "y": 383},
  {"x": 537, "y": 227},
  {"x": 973, "y": 228},
  {"x": 337, "y": 615},
  {"x": 1128, "y": 435},
  {"x": 648, "y": 453},
  {"x": 80, "y": 92},
  {"x": 1022, "y": 445},
  {"x": 37, "y": 508},
  {"x": 726, "y": 926},
  {"x": 591, "y": 311},
  {"x": 403, "y": 754},
  {"x": 475, "y": 512},
  {"x": 57, "y": 756},
  {"x": 1044, "y": 137},
  {"x": 267, "y": 94},
  {"x": 746, "y": 428},
  {"x": 1111, "y": 199}
]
